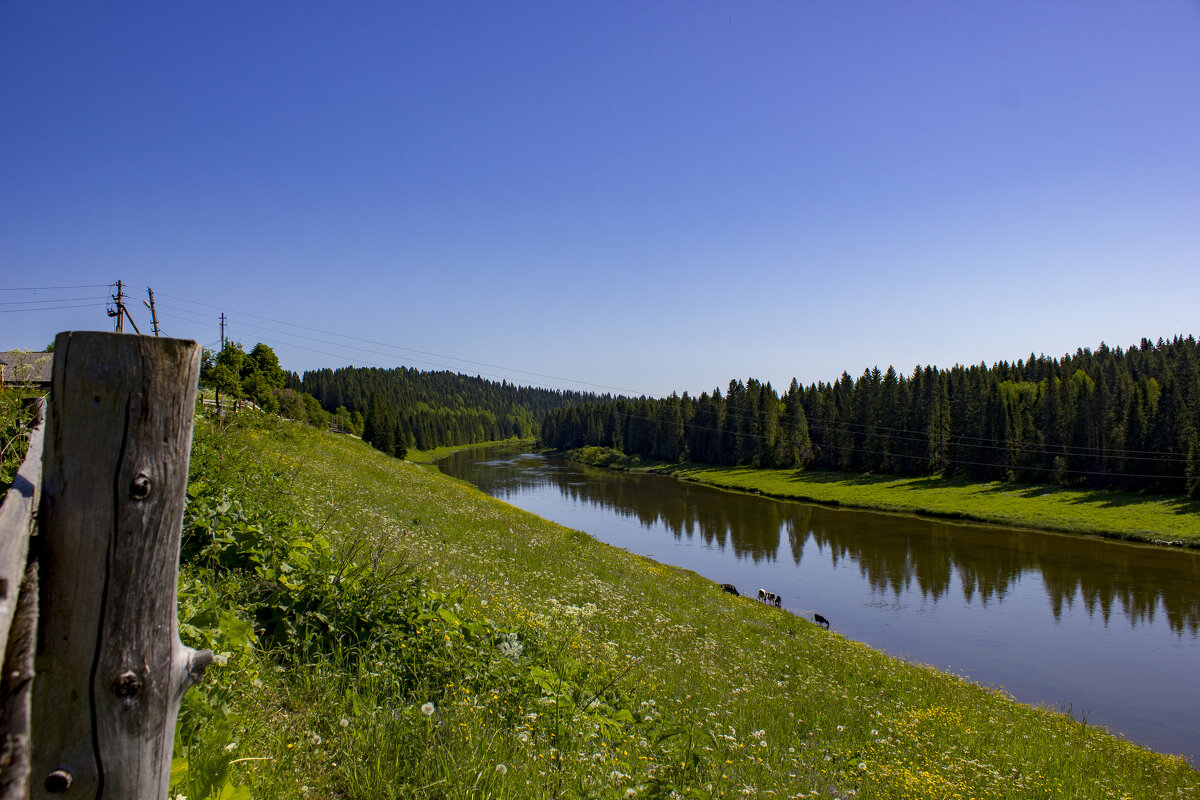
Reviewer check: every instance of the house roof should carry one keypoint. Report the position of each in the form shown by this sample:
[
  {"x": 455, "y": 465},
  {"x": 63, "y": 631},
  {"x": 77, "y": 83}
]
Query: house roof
[{"x": 22, "y": 366}]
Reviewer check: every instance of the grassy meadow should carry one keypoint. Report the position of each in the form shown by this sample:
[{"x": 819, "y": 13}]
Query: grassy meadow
[
  {"x": 1097, "y": 512},
  {"x": 389, "y": 632}
]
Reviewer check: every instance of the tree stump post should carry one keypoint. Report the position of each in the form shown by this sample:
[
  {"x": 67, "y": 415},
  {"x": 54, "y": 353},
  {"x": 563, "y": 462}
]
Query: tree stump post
[{"x": 110, "y": 671}]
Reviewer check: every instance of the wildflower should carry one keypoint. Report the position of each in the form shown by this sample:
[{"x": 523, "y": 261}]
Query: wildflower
[
  {"x": 229, "y": 748},
  {"x": 501, "y": 769},
  {"x": 316, "y": 740},
  {"x": 221, "y": 658},
  {"x": 427, "y": 709},
  {"x": 345, "y": 723},
  {"x": 631, "y": 792}
]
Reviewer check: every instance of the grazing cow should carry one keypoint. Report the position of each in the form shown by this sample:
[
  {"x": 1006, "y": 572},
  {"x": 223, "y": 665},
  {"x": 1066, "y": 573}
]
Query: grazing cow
[
  {"x": 817, "y": 618},
  {"x": 729, "y": 587},
  {"x": 770, "y": 598}
]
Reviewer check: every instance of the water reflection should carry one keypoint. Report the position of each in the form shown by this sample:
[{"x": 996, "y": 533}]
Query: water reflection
[
  {"x": 1110, "y": 629},
  {"x": 895, "y": 555}
]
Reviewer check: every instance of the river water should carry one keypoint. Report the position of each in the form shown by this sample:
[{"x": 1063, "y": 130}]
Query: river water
[{"x": 1108, "y": 631}]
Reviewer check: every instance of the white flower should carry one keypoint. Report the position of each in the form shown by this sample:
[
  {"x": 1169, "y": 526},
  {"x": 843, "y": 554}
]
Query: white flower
[
  {"x": 501, "y": 769},
  {"x": 345, "y": 723},
  {"x": 862, "y": 765},
  {"x": 221, "y": 659},
  {"x": 631, "y": 792},
  {"x": 229, "y": 748},
  {"x": 511, "y": 647},
  {"x": 316, "y": 740},
  {"x": 427, "y": 709}
]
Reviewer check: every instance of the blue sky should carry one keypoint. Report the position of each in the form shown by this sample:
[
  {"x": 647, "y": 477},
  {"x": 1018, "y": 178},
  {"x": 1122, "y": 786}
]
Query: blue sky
[{"x": 636, "y": 196}]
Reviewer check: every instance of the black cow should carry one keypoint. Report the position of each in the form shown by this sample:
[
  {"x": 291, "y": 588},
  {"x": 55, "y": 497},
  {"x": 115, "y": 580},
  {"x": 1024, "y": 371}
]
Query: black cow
[
  {"x": 729, "y": 587},
  {"x": 817, "y": 618}
]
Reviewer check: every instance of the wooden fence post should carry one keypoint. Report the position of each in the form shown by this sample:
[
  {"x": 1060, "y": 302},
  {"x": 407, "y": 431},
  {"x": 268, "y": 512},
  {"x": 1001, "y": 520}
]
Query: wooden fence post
[
  {"x": 18, "y": 614},
  {"x": 110, "y": 669}
]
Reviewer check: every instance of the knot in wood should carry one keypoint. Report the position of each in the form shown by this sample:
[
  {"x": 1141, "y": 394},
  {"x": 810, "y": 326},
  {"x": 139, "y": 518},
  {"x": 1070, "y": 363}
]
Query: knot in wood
[
  {"x": 58, "y": 781},
  {"x": 127, "y": 685},
  {"x": 140, "y": 488}
]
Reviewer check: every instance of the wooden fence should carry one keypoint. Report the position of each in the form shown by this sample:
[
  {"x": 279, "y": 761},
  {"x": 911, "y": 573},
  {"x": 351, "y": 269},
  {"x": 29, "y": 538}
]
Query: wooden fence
[{"x": 93, "y": 669}]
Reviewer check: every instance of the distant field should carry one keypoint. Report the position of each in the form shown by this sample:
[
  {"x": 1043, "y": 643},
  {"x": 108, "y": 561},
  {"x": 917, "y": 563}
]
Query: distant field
[{"x": 1154, "y": 518}]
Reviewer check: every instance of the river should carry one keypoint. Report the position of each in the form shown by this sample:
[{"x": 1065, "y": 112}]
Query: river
[{"x": 1106, "y": 631}]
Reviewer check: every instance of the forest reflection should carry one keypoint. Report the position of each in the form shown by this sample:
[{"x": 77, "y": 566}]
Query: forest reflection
[{"x": 895, "y": 554}]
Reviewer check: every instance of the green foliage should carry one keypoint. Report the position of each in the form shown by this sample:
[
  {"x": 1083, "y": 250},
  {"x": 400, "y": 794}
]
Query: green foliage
[
  {"x": 426, "y": 410},
  {"x": 568, "y": 669},
  {"x": 1102, "y": 419},
  {"x": 270, "y": 590},
  {"x": 16, "y": 419}
]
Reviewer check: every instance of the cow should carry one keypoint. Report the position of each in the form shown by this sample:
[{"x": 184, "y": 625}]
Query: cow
[
  {"x": 817, "y": 618},
  {"x": 729, "y": 587},
  {"x": 770, "y": 598}
]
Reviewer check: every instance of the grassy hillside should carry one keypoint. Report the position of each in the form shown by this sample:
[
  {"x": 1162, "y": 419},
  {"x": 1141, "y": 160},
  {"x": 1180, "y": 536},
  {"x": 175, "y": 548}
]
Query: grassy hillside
[
  {"x": 1099, "y": 512},
  {"x": 415, "y": 638}
]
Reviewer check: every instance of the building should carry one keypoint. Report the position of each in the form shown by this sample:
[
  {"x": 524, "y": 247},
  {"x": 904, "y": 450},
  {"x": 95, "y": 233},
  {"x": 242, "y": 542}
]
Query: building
[{"x": 25, "y": 368}]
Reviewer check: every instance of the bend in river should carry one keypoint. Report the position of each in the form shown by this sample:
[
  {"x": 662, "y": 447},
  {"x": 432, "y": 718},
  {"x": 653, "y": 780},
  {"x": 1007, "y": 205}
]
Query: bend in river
[{"x": 1108, "y": 631}]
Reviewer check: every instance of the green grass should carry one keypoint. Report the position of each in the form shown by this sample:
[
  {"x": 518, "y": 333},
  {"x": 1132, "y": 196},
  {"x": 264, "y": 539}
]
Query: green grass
[
  {"x": 636, "y": 679},
  {"x": 1154, "y": 518},
  {"x": 1097, "y": 512}
]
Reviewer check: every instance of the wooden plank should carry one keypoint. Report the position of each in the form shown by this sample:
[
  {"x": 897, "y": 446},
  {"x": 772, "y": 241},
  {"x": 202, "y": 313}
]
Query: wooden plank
[
  {"x": 16, "y": 523},
  {"x": 110, "y": 669},
  {"x": 16, "y": 692}
]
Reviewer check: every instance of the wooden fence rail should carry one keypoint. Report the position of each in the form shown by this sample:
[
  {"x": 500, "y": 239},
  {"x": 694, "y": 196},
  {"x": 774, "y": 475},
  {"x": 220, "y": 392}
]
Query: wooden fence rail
[{"x": 94, "y": 717}]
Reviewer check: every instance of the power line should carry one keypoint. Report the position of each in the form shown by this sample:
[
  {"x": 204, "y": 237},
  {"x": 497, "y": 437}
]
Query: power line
[
  {"x": 53, "y": 288},
  {"x": 97, "y": 304},
  {"x": 408, "y": 349}
]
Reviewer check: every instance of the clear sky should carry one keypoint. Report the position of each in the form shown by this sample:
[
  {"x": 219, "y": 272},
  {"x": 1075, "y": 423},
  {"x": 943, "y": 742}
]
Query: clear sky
[{"x": 643, "y": 196}]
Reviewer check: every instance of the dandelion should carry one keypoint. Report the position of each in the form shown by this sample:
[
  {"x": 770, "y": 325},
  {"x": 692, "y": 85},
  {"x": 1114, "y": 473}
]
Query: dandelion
[
  {"x": 501, "y": 769},
  {"x": 221, "y": 659},
  {"x": 316, "y": 740},
  {"x": 427, "y": 709},
  {"x": 345, "y": 723}
]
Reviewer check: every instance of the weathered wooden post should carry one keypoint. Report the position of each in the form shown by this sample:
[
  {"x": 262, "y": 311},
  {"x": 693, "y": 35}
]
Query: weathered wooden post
[
  {"x": 110, "y": 670},
  {"x": 18, "y": 615}
]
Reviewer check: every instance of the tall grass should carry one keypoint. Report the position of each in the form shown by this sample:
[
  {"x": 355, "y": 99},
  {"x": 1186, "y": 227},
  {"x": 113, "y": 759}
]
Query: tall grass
[{"x": 523, "y": 659}]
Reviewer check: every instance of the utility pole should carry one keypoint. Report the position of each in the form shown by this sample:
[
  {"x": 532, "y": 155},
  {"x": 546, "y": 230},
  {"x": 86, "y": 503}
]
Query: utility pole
[
  {"x": 118, "y": 299},
  {"x": 222, "y": 330},
  {"x": 150, "y": 305},
  {"x": 121, "y": 312}
]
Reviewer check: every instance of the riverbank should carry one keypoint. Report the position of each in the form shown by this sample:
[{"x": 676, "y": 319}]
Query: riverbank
[
  {"x": 609, "y": 675},
  {"x": 1156, "y": 519}
]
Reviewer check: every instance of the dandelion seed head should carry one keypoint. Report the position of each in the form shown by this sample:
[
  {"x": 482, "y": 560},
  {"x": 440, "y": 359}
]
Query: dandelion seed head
[{"x": 427, "y": 709}]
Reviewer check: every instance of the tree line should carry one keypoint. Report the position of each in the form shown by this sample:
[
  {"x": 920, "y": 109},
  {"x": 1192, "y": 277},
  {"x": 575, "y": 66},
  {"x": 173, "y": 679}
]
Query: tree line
[
  {"x": 236, "y": 376},
  {"x": 1108, "y": 417},
  {"x": 404, "y": 407}
]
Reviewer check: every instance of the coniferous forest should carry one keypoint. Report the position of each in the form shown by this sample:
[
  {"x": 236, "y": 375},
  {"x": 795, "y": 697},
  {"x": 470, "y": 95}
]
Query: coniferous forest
[
  {"x": 403, "y": 407},
  {"x": 1127, "y": 419}
]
